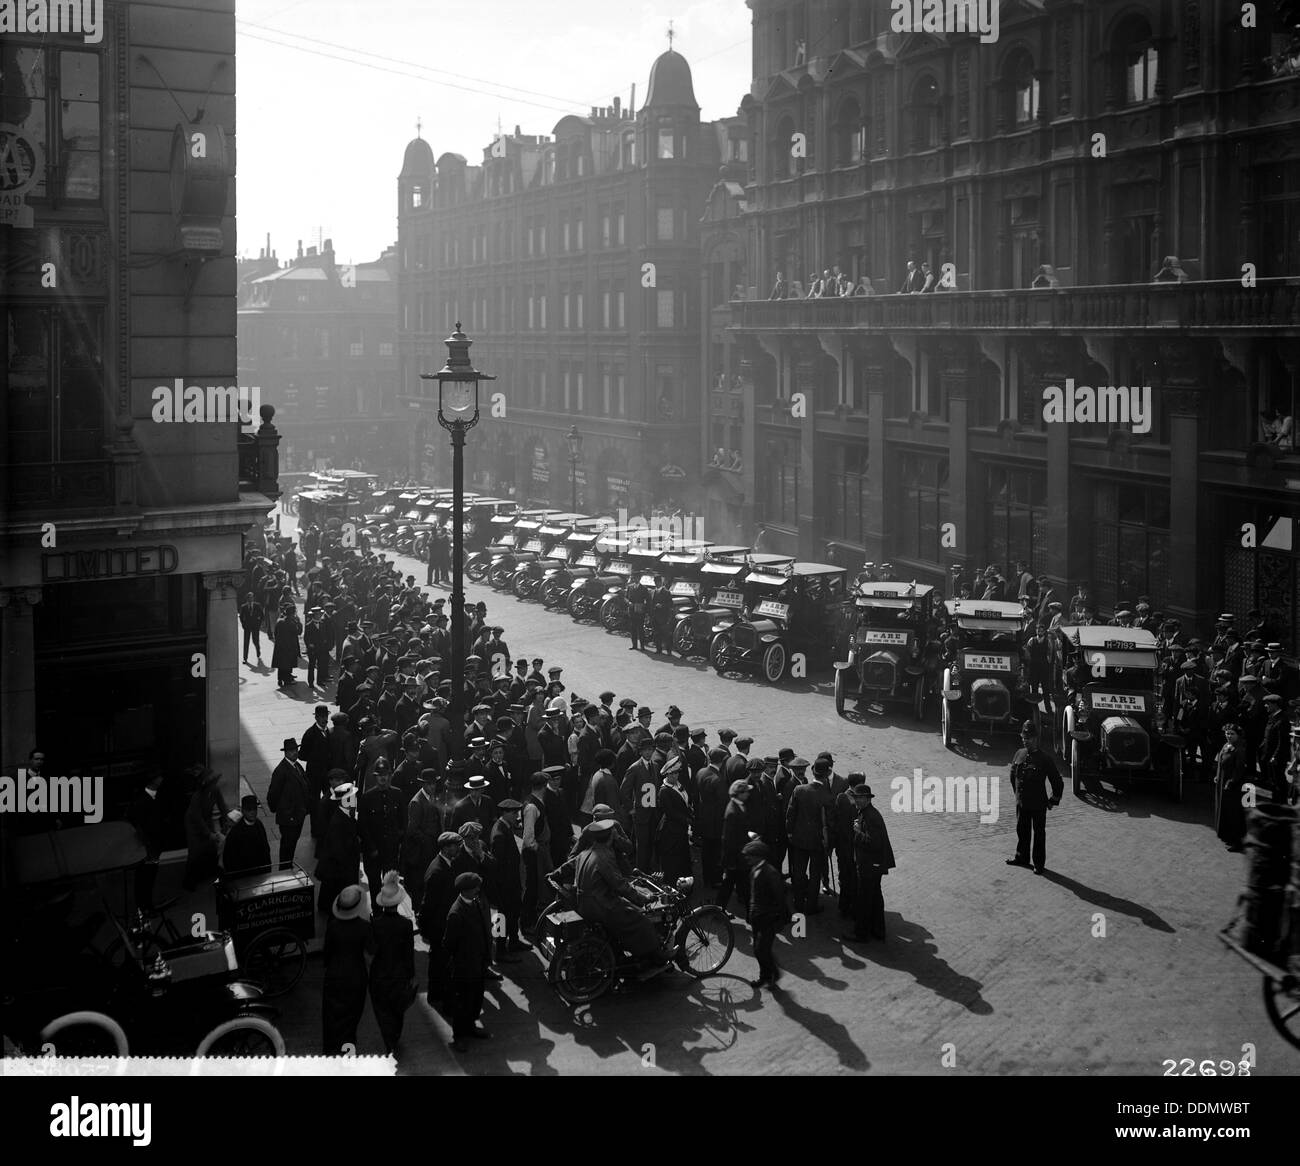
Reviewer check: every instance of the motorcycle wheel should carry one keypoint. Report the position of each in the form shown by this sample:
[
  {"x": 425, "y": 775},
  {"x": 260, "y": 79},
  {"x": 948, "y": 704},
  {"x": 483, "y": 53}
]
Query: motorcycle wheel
[
  {"x": 276, "y": 959},
  {"x": 705, "y": 941},
  {"x": 582, "y": 970},
  {"x": 243, "y": 1036}
]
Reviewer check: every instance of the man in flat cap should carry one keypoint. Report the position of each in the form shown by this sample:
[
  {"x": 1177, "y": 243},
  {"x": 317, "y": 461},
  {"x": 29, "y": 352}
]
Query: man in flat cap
[
  {"x": 1275, "y": 749},
  {"x": 506, "y": 888},
  {"x": 439, "y": 894},
  {"x": 807, "y": 822},
  {"x": 711, "y": 807},
  {"x": 734, "y": 836},
  {"x": 769, "y": 910},
  {"x": 424, "y": 826},
  {"x": 466, "y": 950},
  {"x": 737, "y": 764}
]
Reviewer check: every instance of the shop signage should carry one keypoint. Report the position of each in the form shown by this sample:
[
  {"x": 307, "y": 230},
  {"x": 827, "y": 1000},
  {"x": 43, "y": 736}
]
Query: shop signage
[
  {"x": 109, "y": 563},
  {"x": 21, "y": 166}
]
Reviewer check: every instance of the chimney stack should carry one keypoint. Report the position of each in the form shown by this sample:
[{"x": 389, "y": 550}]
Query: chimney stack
[
  {"x": 618, "y": 105},
  {"x": 299, "y": 248}
]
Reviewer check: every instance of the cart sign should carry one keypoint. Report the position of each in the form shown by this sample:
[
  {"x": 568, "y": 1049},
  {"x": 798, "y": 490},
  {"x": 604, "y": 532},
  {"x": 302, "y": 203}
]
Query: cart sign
[
  {"x": 773, "y": 610},
  {"x": 729, "y": 599},
  {"x": 686, "y": 587},
  {"x": 877, "y": 637},
  {"x": 1119, "y": 702},
  {"x": 980, "y": 662}
]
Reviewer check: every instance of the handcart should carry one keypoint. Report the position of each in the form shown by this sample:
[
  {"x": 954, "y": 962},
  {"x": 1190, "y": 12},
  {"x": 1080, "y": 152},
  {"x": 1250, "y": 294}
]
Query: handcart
[
  {"x": 271, "y": 917},
  {"x": 1281, "y": 988}
]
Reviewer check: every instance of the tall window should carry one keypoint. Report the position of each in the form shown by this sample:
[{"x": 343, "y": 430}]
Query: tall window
[
  {"x": 621, "y": 218},
  {"x": 664, "y": 233},
  {"x": 848, "y": 133},
  {"x": 925, "y": 114},
  {"x": 51, "y": 384},
  {"x": 1130, "y": 543},
  {"x": 1015, "y": 519},
  {"x": 847, "y": 505},
  {"x": 781, "y": 498},
  {"x": 53, "y": 96},
  {"x": 666, "y": 141},
  {"x": 924, "y": 507},
  {"x": 621, "y": 297},
  {"x": 665, "y": 308},
  {"x": 1141, "y": 63},
  {"x": 1023, "y": 88}
]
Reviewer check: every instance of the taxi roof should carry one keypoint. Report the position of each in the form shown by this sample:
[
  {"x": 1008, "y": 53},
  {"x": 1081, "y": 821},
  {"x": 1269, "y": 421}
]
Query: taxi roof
[
  {"x": 1100, "y": 636},
  {"x": 894, "y": 591},
  {"x": 765, "y": 559},
  {"x": 767, "y": 579},
  {"x": 984, "y": 609},
  {"x": 717, "y": 552},
  {"x": 817, "y": 569}
]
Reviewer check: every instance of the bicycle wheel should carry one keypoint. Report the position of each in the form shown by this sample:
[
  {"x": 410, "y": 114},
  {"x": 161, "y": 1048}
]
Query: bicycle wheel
[
  {"x": 276, "y": 959},
  {"x": 705, "y": 941},
  {"x": 244, "y": 1036},
  {"x": 1282, "y": 1003}
]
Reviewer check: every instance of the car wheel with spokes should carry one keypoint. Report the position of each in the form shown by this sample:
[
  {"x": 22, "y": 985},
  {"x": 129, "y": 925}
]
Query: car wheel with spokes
[
  {"x": 774, "y": 661},
  {"x": 244, "y": 1036}
]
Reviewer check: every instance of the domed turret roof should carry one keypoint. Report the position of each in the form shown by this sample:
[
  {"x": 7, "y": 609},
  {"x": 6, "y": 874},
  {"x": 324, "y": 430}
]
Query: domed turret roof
[
  {"x": 670, "y": 82},
  {"x": 418, "y": 160}
]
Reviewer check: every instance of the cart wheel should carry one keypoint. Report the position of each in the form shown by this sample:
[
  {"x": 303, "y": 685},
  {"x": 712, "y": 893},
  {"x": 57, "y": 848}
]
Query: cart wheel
[
  {"x": 583, "y": 969},
  {"x": 276, "y": 958},
  {"x": 1282, "y": 1003},
  {"x": 705, "y": 941},
  {"x": 85, "y": 1034},
  {"x": 244, "y": 1036},
  {"x": 839, "y": 691}
]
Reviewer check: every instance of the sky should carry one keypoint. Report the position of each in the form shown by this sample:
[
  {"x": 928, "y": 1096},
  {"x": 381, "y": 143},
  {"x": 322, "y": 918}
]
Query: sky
[{"x": 329, "y": 92}]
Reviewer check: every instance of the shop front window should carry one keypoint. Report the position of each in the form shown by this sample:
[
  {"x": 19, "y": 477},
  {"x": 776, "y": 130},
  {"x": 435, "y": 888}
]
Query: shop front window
[
  {"x": 924, "y": 507},
  {"x": 1015, "y": 519},
  {"x": 1130, "y": 544}
]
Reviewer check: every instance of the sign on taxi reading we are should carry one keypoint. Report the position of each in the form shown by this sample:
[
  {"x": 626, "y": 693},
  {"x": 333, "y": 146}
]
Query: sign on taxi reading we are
[
  {"x": 1119, "y": 702},
  {"x": 985, "y": 662}
]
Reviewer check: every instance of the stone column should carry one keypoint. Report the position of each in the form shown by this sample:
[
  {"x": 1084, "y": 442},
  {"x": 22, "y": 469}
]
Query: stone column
[
  {"x": 957, "y": 374},
  {"x": 877, "y": 358},
  {"x": 1182, "y": 393},
  {"x": 222, "y": 684},
  {"x": 1049, "y": 360},
  {"x": 17, "y": 676}
]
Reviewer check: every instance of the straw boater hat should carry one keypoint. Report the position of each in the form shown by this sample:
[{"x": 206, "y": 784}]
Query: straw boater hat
[{"x": 350, "y": 903}]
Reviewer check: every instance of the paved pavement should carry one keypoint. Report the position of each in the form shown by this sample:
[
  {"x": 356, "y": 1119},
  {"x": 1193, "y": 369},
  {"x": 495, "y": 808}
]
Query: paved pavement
[{"x": 1108, "y": 964}]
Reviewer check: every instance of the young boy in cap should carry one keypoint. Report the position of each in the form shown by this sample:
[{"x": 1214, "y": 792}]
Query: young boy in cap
[
  {"x": 769, "y": 911},
  {"x": 465, "y": 950}
]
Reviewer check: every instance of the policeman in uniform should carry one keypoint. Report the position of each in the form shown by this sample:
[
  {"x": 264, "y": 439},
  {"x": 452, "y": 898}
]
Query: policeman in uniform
[
  {"x": 638, "y": 600},
  {"x": 1030, "y": 768}
]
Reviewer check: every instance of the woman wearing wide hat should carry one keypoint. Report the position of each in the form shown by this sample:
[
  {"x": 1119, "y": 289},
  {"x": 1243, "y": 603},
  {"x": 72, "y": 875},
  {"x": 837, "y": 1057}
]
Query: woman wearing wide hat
[
  {"x": 392, "y": 971},
  {"x": 347, "y": 940}
]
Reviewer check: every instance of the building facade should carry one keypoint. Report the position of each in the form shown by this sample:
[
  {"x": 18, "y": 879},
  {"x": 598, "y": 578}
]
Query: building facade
[
  {"x": 122, "y": 533},
  {"x": 572, "y": 262},
  {"x": 320, "y": 339},
  {"x": 1107, "y": 195}
]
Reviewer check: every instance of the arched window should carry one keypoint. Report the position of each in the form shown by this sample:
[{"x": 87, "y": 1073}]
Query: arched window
[
  {"x": 1139, "y": 59},
  {"x": 847, "y": 133},
  {"x": 925, "y": 113},
  {"x": 1022, "y": 89}
]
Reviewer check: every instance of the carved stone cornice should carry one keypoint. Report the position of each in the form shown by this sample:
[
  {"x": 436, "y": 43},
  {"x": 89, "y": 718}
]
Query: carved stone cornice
[
  {"x": 223, "y": 581},
  {"x": 20, "y": 596}
]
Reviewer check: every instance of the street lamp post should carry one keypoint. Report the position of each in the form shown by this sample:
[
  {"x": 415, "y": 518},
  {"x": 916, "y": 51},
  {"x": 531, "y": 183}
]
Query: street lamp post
[
  {"x": 457, "y": 396},
  {"x": 574, "y": 441}
]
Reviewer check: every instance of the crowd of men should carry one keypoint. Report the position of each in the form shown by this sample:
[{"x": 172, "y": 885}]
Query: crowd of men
[{"x": 545, "y": 775}]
